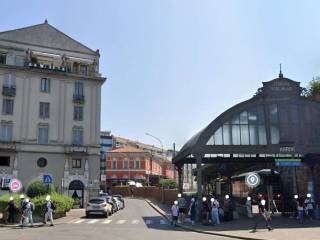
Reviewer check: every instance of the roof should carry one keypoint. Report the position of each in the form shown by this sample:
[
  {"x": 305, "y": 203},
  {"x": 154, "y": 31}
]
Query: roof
[
  {"x": 45, "y": 35},
  {"x": 127, "y": 149}
]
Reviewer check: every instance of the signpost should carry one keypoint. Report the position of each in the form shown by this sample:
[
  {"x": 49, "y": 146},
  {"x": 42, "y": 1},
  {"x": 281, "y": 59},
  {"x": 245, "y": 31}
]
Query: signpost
[
  {"x": 252, "y": 180},
  {"x": 47, "y": 178},
  {"x": 15, "y": 185}
]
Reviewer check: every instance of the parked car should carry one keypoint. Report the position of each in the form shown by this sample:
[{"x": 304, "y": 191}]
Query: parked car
[
  {"x": 98, "y": 206},
  {"x": 112, "y": 201},
  {"x": 120, "y": 198},
  {"x": 119, "y": 203}
]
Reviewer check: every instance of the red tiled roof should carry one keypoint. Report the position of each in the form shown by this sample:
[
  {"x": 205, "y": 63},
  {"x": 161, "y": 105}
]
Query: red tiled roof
[{"x": 127, "y": 149}]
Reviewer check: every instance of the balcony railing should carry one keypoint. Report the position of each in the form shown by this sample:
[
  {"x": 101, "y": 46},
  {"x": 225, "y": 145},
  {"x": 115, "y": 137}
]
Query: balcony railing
[
  {"x": 9, "y": 91},
  {"x": 7, "y": 146},
  {"x": 78, "y": 98}
]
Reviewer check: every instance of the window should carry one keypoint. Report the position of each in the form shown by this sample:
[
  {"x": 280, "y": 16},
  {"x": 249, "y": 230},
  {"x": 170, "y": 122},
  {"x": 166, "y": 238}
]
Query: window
[
  {"x": 78, "y": 113},
  {"x": 42, "y": 162},
  {"x": 7, "y": 106},
  {"x": 113, "y": 164},
  {"x": 44, "y": 110},
  {"x": 126, "y": 163},
  {"x": 43, "y": 134},
  {"x": 8, "y": 80},
  {"x": 5, "y": 161},
  {"x": 76, "y": 163},
  {"x": 84, "y": 69},
  {"x": 3, "y": 58},
  {"x": 45, "y": 85},
  {"x": 137, "y": 164},
  {"x": 78, "y": 88},
  {"x": 77, "y": 138},
  {"x": 6, "y": 131}
]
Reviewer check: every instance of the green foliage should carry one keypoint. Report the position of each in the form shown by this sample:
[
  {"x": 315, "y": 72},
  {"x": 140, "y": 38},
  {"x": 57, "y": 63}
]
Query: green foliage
[
  {"x": 168, "y": 183},
  {"x": 313, "y": 88},
  {"x": 38, "y": 188}
]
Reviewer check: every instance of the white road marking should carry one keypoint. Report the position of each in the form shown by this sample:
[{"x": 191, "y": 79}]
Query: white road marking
[
  {"x": 163, "y": 221},
  {"x": 148, "y": 221},
  {"x": 93, "y": 221},
  {"x": 107, "y": 221},
  {"x": 80, "y": 221},
  {"x": 136, "y": 221},
  {"x": 121, "y": 221}
]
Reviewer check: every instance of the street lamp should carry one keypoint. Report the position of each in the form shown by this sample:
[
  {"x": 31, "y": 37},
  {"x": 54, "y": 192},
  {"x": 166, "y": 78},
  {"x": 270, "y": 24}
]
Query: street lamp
[{"x": 148, "y": 134}]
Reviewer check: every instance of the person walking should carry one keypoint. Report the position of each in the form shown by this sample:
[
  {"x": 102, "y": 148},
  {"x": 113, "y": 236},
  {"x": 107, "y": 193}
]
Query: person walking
[
  {"x": 11, "y": 208},
  {"x": 300, "y": 210},
  {"x": 29, "y": 208},
  {"x": 249, "y": 207},
  {"x": 192, "y": 211},
  {"x": 22, "y": 208},
  {"x": 227, "y": 208},
  {"x": 215, "y": 211},
  {"x": 182, "y": 204},
  {"x": 263, "y": 216},
  {"x": 175, "y": 213},
  {"x": 309, "y": 206},
  {"x": 49, "y": 210}
]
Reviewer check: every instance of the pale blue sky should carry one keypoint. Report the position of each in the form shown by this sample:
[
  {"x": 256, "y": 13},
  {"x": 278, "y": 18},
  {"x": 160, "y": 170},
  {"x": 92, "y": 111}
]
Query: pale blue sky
[{"x": 175, "y": 65}]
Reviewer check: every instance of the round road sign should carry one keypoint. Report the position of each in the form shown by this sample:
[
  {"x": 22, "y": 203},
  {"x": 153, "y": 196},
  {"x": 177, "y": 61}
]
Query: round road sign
[
  {"x": 252, "y": 180},
  {"x": 15, "y": 185}
]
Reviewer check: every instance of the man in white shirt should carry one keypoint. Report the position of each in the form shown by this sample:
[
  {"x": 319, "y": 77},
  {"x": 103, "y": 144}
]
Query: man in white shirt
[{"x": 48, "y": 214}]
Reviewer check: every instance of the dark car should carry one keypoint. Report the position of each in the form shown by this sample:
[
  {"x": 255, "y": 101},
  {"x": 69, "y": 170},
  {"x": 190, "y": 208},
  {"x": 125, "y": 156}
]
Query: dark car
[{"x": 120, "y": 198}]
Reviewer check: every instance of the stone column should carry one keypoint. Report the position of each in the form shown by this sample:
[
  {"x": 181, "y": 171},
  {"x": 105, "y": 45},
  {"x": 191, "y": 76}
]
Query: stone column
[
  {"x": 199, "y": 185},
  {"x": 180, "y": 179},
  {"x": 15, "y": 167}
]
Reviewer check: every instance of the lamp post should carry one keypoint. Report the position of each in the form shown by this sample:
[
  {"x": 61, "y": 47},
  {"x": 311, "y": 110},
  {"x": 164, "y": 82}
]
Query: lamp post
[{"x": 148, "y": 134}]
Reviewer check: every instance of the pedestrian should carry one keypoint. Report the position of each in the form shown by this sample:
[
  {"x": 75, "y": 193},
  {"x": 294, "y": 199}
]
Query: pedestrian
[
  {"x": 215, "y": 211},
  {"x": 249, "y": 207},
  {"x": 50, "y": 207},
  {"x": 309, "y": 206},
  {"x": 192, "y": 211},
  {"x": 300, "y": 210},
  {"x": 175, "y": 213},
  {"x": 29, "y": 208},
  {"x": 205, "y": 210},
  {"x": 11, "y": 208},
  {"x": 264, "y": 216},
  {"x": 22, "y": 209},
  {"x": 296, "y": 204},
  {"x": 182, "y": 204},
  {"x": 227, "y": 208}
]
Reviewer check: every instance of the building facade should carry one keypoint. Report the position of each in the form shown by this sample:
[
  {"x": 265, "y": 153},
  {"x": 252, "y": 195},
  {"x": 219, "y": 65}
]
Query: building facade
[
  {"x": 106, "y": 142},
  {"x": 50, "y": 116}
]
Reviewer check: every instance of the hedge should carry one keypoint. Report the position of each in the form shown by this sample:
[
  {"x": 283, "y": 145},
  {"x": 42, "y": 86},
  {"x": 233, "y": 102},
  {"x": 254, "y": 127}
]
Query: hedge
[{"x": 38, "y": 188}]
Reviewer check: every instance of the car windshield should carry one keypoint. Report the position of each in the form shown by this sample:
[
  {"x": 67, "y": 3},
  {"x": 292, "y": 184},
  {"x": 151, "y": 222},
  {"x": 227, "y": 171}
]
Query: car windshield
[{"x": 96, "y": 201}]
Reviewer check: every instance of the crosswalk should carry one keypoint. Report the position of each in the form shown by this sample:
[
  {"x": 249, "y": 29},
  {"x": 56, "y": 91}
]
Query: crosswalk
[{"x": 120, "y": 222}]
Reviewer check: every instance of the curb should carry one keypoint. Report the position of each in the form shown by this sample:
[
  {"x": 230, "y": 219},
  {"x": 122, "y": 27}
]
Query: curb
[
  {"x": 161, "y": 212},
  {"x": 13, "y": 226}
]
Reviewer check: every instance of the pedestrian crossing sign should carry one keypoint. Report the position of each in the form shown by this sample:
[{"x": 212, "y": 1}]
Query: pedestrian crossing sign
[{"x": 47, "y": 178}]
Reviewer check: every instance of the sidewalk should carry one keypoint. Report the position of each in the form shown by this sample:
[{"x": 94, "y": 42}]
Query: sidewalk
[{"x": 284, "y": 228}]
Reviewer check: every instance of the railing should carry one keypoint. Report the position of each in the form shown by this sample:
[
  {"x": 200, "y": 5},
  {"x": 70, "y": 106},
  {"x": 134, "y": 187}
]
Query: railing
[
  {"x": 7, "y": 145},
  {"x": 9, "y": 91},
  {"x": 78, "y": 98}
]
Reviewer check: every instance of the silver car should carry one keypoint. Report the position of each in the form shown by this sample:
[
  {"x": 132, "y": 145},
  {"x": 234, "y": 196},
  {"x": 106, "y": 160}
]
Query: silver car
[
  {"x": 98, "y": 206},
  {"x": 119, "y": 203}
]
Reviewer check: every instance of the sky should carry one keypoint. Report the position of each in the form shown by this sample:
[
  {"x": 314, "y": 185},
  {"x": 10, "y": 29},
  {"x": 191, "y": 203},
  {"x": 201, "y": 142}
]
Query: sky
[{"x": 172, "y": 66}]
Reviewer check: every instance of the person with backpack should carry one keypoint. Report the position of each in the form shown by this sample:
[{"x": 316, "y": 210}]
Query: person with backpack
[
  {"x": 50, "y": 207},
  {"x": 264, "y": 216},
  {"x": 22, "y": 208},
  {"x": 29, "y": 208},
  {"x": 11, "y": 208}
]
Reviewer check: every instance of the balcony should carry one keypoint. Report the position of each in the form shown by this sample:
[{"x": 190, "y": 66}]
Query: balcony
[
  {"x": 9, "y": 91},
  {"x": 78, "y": 98},
  {"x": 75, "y": 149},
  {"x": 7, "y": 146}
]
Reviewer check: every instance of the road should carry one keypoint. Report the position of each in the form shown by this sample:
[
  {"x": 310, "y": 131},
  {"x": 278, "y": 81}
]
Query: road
[{"x": 136, "y": 222}]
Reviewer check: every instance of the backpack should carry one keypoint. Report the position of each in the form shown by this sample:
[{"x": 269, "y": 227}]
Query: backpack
[
  {"x": 53, "y": 206},
  {"x": 32, "y": 207}
]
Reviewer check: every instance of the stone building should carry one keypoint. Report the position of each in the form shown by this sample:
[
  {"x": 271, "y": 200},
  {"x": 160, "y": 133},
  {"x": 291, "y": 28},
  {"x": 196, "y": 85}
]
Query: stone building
[{"x": 50, "y": 110}]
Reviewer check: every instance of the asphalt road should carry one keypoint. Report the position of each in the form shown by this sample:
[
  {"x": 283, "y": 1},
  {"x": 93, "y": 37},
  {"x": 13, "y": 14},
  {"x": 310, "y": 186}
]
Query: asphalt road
[{"x": 138, "y": 221}]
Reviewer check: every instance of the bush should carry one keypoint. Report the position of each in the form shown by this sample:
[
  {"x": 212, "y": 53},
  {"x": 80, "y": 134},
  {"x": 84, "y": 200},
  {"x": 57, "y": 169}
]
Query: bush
[
  {"x": 38, "y": 188},
  {"x": 168, "y": 183}
]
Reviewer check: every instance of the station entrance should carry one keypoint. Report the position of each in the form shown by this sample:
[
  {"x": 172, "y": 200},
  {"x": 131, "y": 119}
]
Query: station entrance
[{"x": 276, "y": 134}]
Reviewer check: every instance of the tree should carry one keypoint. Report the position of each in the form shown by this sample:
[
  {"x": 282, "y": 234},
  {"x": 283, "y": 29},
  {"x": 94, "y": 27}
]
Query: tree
[
  {"x": 38, "y": 188},
  {"x": 313, "y": 90},
  {"x": 168, "y": 183}
]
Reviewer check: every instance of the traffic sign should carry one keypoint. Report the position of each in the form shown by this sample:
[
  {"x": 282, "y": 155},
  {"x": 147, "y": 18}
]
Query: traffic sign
[
  {"x": 285, "y": 162},
  {"x": 252, "y": 180},
  {"x": 15, "y": 185},
  {"x": 47, "y": 178}
]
